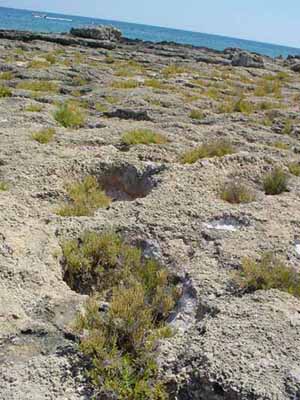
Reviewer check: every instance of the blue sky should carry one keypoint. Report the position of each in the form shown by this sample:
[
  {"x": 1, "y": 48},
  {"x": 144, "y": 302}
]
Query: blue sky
[{"x": 274, "y": 21}]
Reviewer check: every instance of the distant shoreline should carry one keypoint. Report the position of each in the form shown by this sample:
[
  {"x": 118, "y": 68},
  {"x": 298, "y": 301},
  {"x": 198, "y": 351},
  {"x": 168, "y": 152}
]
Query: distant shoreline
[{"x": 17, "y": 19}]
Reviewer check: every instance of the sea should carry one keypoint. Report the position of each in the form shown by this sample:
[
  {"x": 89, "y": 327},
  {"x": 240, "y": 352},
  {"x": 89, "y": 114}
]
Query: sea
[{"x": 50, "y": 22}]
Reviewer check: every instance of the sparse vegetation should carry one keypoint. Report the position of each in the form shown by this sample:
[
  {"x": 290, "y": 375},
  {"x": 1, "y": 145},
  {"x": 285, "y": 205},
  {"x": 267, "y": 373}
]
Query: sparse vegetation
[
  {"x": 240, "y": 105},
  {"x": 268, "y": 273},
  {"x": 275, "y": 182},
  {"x": 173, "y": 69},
  {"x": 38, "y": 64},
  {"x": 5, "y": 91},
  {"x": 268, "y": 87},
  {"x": 128, "y": 84},
  {"x": 197, "y": 114},
  {"x": 288, "y": 127},
  {"x": 143, "y": 136},
  {"x": 101, "y": 107},
  {"x": 154, "y": 83},
  {"x": 70, "y": 115},
  {"x": 294, "y": 168},
  {"x": 84, "y": 198},
  {"x": 6, "y": 75},
  {"x": 50, "y": 58},
  {"x": 34, "y": 108},
  {"x": 281, "y": 145},
  {"x": 235, "y": 193},
  {"x": 3, "y": 186},
  {"x": 44, "y": 136},
  {"x": 217, "y": 148},
  {"x": 122, "y": 341},
  {"x": 38, "y": 86}
]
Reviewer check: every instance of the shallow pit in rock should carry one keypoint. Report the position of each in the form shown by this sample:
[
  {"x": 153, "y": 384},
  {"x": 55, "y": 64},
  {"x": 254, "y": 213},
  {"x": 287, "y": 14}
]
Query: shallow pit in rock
[
  {"x": 297, "y": 247},
  {"x": 228, "y": 223},
  {"x": 126, "y": 182}
]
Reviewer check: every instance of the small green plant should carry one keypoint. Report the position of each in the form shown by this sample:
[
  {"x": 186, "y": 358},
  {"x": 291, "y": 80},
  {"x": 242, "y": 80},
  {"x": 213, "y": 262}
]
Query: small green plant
[
  {"x": 143, "y": 136},
  {"x": 240, "y": 105},
  {"x": 70, "y": 115},
  {"x": 84, "y": 198},
  {"x": 38, "y": 64},
  {"x": 235, "y": 193},
  {"x": 294, "y": 168},
  {"x": 275, "y": 182},
  {"x": 101, "y": 107},
  {"x": 34, "y": 108},
  {"x": 243, "y": 106},
  {"x": 129, "y": 84},
  {"x": 38, "y": 86},
  {"x": 281, "y": 145},
  {"x": 268, "y": 273},
  {"x": 6, "y": 75},
  {"x": 173, "y": 69},
  {"x": 3, "y": 186},
  {"x": 112, "y": 99},
  {"x": 109, "y": 59},
  {"x": 288, "y": 127},
  {"x": 154, "y": 83},
  {"x": 197, "y": 114},
  {"x": 44, "y": 136},
  {"x": 51, "y": 58},
  {"x": 121, "y": 342},
  {"x": 217, "y": 148},
  {"x": 5, "y": 91},
  {"x": 213, "y": 93},
  {"x": 268, "y": 87}
]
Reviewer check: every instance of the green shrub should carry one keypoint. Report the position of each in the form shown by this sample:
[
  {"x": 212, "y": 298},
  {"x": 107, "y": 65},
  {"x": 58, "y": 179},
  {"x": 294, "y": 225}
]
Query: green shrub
[
  {"x": 50, "y": 58},
  {"x": 44, "y": 136},
  {"x": 288, "y": 127},
  {"x": 268, "y": 273},
  {"x": 217, "y": 148},
  {"x": 266, "y": 105},
  {"x": 84, "y": 199},
  {"x": 239, "y": 105},
  {"x": 3, "y": 186},
  {"x": 213, "y": 93},
  {"x": 121, "y": 342},
  {"x": 129, "y": 84},
  {"x": 34, "y": 108},
  {"x": 294, "y": 168},
  {"x": 6, "y": 75},
  {"x": 236, "y": 193},
  {"x": 38, "y": 86},
  {"x": 38, "y": 64},
  {"x": 268, "y": 87},
  {"x": 243, "y": 106},
  {"x": 5, "y": 91},
  {"x": 143, "y": 136},
  {"x": 173, "y": 69},
  {"x": 101, "y": 107},
  {"x": 154, "y": 83},
  {"x": 109, "y": 59},
  {"x": 70, "y": 115},
  {"x": 275, "y": 182},
  {"x": 197, "y": 114},
  {"x": 281, "y": 145},
  {"x": 112, "y": 99}
]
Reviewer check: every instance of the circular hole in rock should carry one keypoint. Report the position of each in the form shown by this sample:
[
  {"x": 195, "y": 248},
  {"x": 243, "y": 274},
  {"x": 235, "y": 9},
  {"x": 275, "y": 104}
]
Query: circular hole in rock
[
  {"x": 126, "y": 182},
  {"x": 226, "y": 223}
]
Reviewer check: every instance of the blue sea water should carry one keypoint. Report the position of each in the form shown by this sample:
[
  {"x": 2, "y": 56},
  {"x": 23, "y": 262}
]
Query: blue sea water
[{"x": 24, "y": 20}]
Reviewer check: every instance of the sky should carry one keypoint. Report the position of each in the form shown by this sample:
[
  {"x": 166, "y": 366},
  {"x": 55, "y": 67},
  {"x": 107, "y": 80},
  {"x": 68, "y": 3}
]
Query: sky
[{"x": 273, "y": 21}]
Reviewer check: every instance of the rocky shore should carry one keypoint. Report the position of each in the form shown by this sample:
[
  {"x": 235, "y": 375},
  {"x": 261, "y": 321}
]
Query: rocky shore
[{"x": 229, "y": 342}]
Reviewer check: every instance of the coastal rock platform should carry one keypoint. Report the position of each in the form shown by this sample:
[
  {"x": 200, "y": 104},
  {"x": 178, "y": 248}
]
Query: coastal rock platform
[{"x": 229, "y": 343}]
